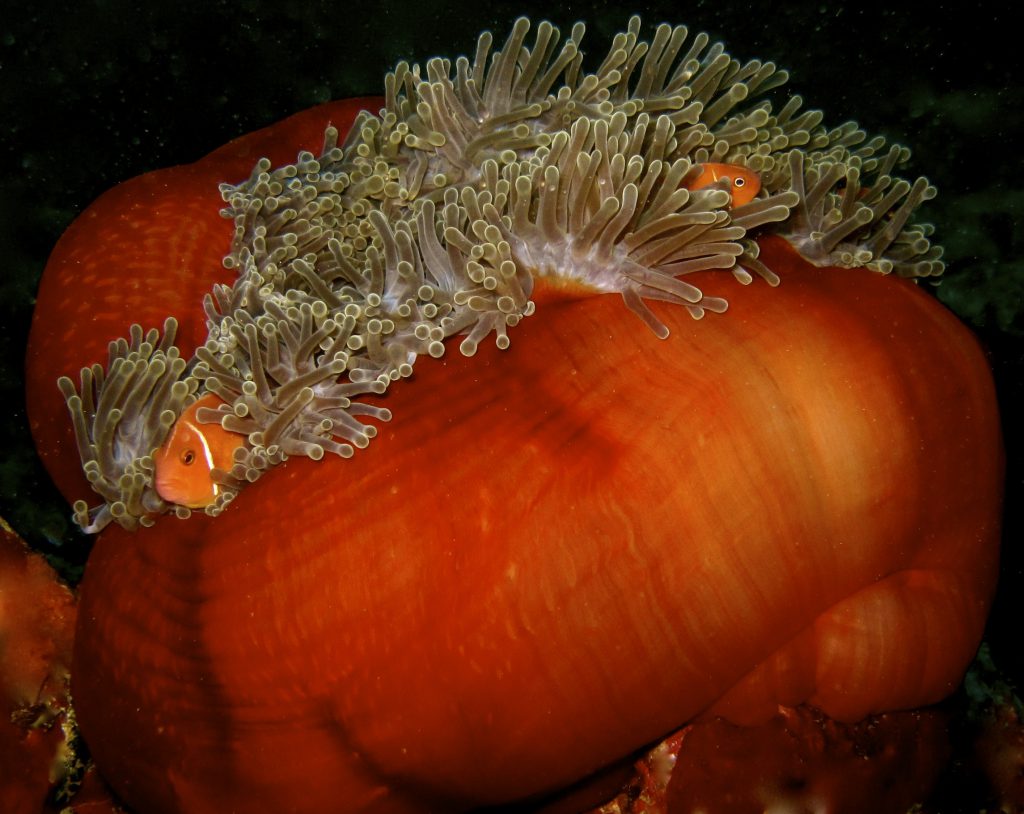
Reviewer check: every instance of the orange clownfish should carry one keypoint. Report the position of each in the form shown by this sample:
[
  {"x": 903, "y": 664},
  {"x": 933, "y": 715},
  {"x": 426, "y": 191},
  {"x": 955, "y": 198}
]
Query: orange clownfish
[
  {"x": 191, "y": 451},
  {"x": 745, "y": 183}
]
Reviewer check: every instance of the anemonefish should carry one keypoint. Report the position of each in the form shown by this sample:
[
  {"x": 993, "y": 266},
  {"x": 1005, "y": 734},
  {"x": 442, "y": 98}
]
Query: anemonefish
[
  {"x": 745, "y": 183},
  {"x": 192, "y": 450}
]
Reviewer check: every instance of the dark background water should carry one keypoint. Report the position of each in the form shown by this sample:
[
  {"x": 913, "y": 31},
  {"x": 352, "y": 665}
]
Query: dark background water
[{"x": 95, "y": 94}]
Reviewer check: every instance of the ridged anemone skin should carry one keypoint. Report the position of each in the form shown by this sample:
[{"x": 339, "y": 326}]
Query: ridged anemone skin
[{"x": 552, "y": 556}]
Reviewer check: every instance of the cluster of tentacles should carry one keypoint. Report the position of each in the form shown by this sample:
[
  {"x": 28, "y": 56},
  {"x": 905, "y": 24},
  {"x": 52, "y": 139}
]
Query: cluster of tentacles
[{"x": 434, "y": 218}]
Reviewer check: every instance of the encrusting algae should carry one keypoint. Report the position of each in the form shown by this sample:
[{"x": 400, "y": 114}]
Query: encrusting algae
[{"x": 434, "y": 218}]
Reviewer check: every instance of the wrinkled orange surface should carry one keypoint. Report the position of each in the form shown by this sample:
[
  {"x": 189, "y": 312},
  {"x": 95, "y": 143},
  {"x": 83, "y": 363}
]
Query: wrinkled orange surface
[
  {"x": 37, "y": 621},
  {"x": 551, "y": 557}
]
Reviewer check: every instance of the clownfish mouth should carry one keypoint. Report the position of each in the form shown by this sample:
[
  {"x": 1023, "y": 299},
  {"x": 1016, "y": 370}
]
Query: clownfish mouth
[{"x": 429, "y": 223}]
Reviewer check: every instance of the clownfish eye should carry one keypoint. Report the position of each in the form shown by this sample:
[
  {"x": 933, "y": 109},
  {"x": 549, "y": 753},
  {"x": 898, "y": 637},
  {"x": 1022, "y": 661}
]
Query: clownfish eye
[
  {"x": 188, "y": 457},
  {"x": 739, "y": 182}
]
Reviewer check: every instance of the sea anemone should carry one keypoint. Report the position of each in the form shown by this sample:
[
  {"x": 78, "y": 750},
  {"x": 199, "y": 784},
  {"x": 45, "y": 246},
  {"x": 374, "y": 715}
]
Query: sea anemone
[
  {"x": 562, "y": 547},
  {"x": 435, "y": 219}
]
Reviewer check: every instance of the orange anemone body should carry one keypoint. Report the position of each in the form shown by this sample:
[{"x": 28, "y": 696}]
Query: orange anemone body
[{"x": 554, "y": 554}]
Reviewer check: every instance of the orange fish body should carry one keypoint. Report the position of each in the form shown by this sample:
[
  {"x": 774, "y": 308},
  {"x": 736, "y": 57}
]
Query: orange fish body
[
  {"x": 191, "y": 452},
  {"x": 745, "y": 183}
]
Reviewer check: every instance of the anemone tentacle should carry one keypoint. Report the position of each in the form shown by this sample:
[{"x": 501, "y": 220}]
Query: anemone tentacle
[{"x": 433, "y": 218}]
